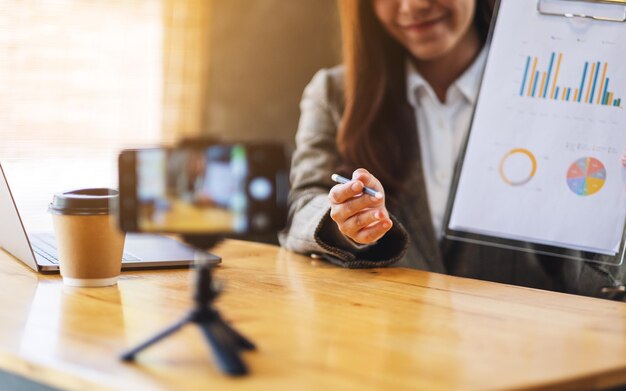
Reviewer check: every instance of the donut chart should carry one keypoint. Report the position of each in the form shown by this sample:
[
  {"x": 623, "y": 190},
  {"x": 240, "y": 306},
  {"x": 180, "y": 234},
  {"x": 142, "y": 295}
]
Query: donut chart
[
  {"x": 586, "y": 176},
  {"x": 517, "y": 167}
]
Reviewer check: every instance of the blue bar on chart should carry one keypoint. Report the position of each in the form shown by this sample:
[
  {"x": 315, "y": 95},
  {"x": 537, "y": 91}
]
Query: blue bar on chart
[
  {"x": 545, "y": 90},
  {"x": 582, "y": 82},
  {"x": 521, "y": 91}
]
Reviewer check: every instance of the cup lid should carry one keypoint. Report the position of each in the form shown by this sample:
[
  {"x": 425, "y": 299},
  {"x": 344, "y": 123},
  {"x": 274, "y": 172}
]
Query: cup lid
[{"x": 96, "y": 201}]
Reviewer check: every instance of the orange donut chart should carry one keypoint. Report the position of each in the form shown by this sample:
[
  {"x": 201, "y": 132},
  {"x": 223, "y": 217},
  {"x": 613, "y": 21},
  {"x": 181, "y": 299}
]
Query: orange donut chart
[{"x": 525, "y": 180}]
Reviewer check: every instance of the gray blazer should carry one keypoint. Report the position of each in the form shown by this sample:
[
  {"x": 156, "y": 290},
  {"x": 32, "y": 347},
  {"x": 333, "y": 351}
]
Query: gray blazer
[{"x": 411, "y": 242}]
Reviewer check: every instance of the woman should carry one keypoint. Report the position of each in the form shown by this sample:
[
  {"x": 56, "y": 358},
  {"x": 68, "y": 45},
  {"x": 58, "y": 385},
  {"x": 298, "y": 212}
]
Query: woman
[{"x": 400, "y": 106}]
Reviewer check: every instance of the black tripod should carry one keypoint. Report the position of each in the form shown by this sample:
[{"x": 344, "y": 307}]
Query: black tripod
[{"x": 225, "y": 341}]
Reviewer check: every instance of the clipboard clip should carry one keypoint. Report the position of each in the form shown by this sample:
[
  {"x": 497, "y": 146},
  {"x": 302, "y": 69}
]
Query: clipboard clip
[{"x": 603, "y": 10}]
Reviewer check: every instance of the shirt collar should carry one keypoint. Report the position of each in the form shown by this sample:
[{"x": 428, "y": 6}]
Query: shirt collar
[{"x": 468, "y": 83}]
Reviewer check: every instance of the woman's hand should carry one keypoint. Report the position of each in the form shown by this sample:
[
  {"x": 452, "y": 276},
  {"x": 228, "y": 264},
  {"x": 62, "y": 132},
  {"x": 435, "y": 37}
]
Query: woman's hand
[{"x": 359, "y": 216}]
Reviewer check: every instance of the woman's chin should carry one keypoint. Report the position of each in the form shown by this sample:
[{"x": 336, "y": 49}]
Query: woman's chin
[{"x": 429, "y": 51}]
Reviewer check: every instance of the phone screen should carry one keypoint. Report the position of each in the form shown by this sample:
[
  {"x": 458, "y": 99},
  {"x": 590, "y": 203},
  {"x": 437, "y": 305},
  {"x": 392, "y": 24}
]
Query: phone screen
[{"x": 217, "y": 189}]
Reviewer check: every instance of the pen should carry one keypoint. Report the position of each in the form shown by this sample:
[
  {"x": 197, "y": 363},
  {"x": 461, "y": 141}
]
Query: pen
[{"x": 367, "y": 190}]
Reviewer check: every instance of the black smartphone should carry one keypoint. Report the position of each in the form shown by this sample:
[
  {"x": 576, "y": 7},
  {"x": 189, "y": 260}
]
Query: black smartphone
[{"x": 199, "y": 189}]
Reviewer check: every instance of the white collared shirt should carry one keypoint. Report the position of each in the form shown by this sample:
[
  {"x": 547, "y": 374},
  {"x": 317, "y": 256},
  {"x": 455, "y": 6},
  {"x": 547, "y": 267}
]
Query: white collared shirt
[{"x": 441, "y": 130}]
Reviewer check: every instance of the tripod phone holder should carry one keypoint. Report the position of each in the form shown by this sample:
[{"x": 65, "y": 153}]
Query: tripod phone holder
[{"x": 225, "y": 342}]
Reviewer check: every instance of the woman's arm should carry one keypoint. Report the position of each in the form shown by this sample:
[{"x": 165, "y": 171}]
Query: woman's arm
[{"x": 310, "y": 229}]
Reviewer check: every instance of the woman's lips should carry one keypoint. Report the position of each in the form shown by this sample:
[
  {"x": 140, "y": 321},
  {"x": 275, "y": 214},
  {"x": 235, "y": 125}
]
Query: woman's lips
[{"x": 422, "y": 26}]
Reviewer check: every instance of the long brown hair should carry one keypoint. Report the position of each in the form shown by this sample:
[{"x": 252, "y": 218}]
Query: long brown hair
[{"x": 375, "y": 133}]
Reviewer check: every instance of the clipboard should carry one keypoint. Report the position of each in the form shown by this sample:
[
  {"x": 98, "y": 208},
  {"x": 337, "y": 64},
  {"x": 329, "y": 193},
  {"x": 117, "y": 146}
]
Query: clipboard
[
  {"x": 540, "y": 170},
  {"x": 608, "y": 10}
]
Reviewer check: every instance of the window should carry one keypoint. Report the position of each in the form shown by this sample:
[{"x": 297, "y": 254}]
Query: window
[
  {"x": 83, "y": 79},
  {"x": 79, "y": 78}
]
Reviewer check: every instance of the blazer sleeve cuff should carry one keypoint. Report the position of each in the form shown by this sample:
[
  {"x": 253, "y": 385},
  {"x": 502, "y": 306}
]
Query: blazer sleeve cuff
[{"x": 343, "y": 252}]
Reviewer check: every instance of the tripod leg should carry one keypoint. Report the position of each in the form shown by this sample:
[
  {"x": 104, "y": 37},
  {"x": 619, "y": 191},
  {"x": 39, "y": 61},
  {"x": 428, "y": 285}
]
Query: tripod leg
[
  {"x": 129, "y": 355},
  {"x": 226, "y": 353},
  {"x": 241, "y": 341}
]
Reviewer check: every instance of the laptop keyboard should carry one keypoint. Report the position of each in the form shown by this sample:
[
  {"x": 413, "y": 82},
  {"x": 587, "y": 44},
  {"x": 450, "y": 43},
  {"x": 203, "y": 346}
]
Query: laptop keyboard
[{"x": 44, "y": 246}]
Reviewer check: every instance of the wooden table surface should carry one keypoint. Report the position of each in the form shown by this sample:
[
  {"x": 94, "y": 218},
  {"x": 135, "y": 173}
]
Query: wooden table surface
[{"x": 316, "y": 327}]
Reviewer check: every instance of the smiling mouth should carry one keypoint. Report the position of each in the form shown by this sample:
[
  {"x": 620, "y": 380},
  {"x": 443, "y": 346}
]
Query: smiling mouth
[{"x": 422, "y": 26}]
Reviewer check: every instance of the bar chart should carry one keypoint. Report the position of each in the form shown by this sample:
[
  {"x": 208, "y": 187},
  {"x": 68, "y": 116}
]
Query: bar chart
[{"x": 594, "y": 86}]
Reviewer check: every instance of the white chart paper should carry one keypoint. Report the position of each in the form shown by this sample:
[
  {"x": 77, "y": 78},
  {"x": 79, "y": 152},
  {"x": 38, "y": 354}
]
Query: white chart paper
[{"x": 543, "y": 157}]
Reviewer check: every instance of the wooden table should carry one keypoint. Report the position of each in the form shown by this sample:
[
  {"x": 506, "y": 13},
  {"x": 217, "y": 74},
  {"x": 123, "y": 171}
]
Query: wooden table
[{"x": 316, "y": 326}]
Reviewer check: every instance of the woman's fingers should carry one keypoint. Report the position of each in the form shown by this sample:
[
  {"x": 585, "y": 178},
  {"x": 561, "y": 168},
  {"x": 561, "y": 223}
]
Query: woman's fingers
[
  {"x": 369, "y": 180},
  {"x": 344, "y": 192},
  {"x": 373, "y": 232},
  {"x": 360, "y": 178},
  {"x": 357, "y": 222},
  {"x": 342, "y": 211},
  {"x": 361, "y": 217}
]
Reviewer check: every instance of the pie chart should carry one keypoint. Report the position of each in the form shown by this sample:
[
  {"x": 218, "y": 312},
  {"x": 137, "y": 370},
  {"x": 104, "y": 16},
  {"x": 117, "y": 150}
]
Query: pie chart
[{"x": 586, "y": 176}]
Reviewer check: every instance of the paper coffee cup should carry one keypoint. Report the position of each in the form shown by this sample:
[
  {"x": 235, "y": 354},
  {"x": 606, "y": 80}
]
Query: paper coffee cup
[{"x": 90, "y": 245}]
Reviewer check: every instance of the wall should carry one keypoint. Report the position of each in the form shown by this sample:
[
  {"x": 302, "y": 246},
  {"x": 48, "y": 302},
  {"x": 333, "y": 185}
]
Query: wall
[{"x": 263, "y": 53}]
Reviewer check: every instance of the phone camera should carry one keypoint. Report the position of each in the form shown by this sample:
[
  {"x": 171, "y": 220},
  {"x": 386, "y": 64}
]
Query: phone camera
[{"x": 260, "y": 188}]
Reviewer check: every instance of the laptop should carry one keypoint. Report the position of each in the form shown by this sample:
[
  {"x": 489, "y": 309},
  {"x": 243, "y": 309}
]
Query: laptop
[{"x": 38, "y": 250}]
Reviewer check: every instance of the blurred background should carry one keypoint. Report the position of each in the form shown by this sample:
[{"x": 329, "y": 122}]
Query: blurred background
[{"x": 82, "y": 79}]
